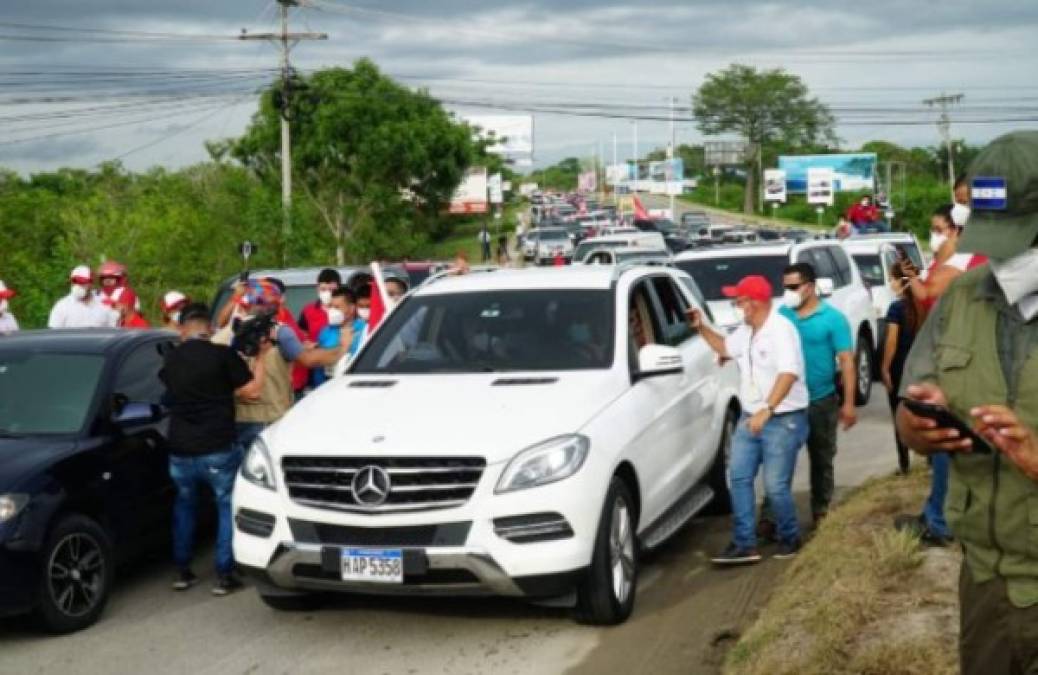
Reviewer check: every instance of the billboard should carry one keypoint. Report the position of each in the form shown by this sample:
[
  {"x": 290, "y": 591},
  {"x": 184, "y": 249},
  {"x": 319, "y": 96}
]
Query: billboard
[
  {"x": 514, "y": 134},
  {"x": 587, "y": 181},
  {"x": 820, "y": 186},
  {"x": 471, "y": 195},
  {"x": 774, "y": 185},
  {"x": 851, "y": 172},
  {"x": 617, "y": 174}
]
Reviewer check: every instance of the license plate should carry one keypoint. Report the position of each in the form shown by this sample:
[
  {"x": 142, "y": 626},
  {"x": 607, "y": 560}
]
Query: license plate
[{"x": 382, "y": 566}]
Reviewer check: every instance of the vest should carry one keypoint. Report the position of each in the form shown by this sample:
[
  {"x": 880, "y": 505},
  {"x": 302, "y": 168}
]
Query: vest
[
  {"x": 992, "y": 506},
  {"x": 276, "y": 396}
]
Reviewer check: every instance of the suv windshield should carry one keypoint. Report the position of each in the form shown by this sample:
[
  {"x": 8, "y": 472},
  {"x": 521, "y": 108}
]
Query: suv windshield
[
  {"x": 494, "y": 331},
  {"x": 46, "y": 393},
  {"x": 553, "y": 235},
  {"x": 713, "y": 273}
]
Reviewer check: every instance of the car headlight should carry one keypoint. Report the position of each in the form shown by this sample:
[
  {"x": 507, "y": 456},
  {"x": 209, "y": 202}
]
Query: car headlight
[
  {"x": 553, "y": 460},
  {"x": 11, "y": 505},
  {"x": 257, "y": 467}
]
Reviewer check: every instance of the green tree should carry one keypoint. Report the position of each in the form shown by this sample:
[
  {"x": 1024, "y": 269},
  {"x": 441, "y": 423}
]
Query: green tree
[
  {"x": 764, "y": 107},
  {"x": 368, "y": 154}
]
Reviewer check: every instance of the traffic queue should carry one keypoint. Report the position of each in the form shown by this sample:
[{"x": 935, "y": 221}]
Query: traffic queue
[{"x": 250, "y": 394}]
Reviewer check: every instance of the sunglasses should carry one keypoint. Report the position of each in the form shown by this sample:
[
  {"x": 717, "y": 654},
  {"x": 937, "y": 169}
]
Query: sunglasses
[{"x": 795, "y": 287}]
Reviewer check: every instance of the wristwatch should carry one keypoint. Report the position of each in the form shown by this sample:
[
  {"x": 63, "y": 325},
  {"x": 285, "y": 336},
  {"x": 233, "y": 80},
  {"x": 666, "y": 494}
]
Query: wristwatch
[{"x": 771, "y": 410}]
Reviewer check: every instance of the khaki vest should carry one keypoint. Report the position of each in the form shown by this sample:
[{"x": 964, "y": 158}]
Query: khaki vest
[
  {"x": 276, "y": 397},
  {"x": 992, "y": 506}
]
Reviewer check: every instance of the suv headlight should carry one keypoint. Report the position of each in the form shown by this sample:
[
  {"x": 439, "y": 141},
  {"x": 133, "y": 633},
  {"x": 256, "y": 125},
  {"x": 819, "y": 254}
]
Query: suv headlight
[
  {"x": 257, "y": 467},
  {"x": 11, "y": 505},
  {"x": 553, "y": 460}
]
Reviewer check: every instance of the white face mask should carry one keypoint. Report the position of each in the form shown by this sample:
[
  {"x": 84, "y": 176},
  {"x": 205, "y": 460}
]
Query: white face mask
[
  {"x": 937, "y": 240},
  {"x": 364, "y": 312},
  {"x": 960, "y": 215},
  {"x": 1017, "y": 276},
  {"x": 325, "y": 297},
  {"x": 740, "y": 314},
  {"x": 79, "y": 292},
  {"x": 175, "y": 317},
  {"x": 792, "y": 299},
  {"x": 335, "y": 316}
]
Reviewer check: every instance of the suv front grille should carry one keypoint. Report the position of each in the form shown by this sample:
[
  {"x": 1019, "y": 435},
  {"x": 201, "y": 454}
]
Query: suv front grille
[{"x": 414, "y": 483}]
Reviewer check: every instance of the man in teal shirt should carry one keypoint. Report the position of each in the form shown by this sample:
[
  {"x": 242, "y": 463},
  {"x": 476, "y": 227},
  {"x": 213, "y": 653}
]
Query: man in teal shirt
[{"x": 825, "y": 336}]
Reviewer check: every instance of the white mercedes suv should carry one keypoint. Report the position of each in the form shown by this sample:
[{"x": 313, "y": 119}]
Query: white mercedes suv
[{"x": 513, "y": 432}]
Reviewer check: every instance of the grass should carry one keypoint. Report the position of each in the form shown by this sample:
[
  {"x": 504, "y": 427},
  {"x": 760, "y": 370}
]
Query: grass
[{"x": 861, "y": 597}]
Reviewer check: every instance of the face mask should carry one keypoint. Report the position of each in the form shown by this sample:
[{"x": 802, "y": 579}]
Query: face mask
[
  {"x": 740, "y": 314},
  {"x": 363, "y": 313},
  {"x": 864, "y": 202},
  {"x": 175, "y": 317},
  {"x": 937, "y": 240},
  {"x": 79, "y": 292},
  {"x": 960, "y": 215},
  {"x": 335, "y": 316},
  {"x": 792, "y": 299},
  {"x": 1017, "y": 276},
  {"x": 325, "y": 297}
]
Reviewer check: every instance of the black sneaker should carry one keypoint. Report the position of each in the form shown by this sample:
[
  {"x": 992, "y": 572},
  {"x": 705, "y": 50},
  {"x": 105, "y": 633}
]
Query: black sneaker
[
  {"x": 787, "y": 550},
  {"x": 227, "y": 584},
  {"x": 185, "y": 580},
  {"x": 767, "y": 532},
  {"x": 733, "y": 555}
]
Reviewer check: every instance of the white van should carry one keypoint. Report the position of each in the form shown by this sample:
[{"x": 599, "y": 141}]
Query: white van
[{"x": 639, "y": 239}]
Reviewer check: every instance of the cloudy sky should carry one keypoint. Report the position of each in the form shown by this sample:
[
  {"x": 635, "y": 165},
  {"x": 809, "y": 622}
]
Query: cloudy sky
[{"x": 84, "y": 81}]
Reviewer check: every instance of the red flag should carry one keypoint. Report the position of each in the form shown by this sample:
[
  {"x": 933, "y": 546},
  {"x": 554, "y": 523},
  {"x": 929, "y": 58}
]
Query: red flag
[
  {"x": 639, "y": 210},
  {"x": 379, "y": 298}
]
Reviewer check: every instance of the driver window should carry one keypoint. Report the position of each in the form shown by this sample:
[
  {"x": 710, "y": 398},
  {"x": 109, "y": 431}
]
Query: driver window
[
  {"x": 138, "y": 377},
  {"x": 675, "y": 326},
  {"x": 641, "y": 326}
]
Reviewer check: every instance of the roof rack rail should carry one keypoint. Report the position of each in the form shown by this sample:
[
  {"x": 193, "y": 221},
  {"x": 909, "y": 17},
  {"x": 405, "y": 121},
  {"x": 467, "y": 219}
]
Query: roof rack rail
[
  {"x": 433, "y": 278},
  {"x": 628, "y": 265}
]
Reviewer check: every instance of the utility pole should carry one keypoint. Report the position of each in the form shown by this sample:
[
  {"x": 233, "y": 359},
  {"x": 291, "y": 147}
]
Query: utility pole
[
  {"x": 944, "y": 127},
  {"x": 286, "y": 41},
  {"x": 614, "y": 166}
]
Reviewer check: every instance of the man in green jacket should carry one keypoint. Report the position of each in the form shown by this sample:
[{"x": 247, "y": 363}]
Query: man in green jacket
[{"x": 977, "y": 355}]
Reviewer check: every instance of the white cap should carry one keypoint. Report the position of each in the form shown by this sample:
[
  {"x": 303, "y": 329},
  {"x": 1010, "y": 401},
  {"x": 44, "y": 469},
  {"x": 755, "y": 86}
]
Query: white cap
[
  {"x": 960, "y": 214},
  {"x": 81, "y": 272},
  {"x": 172, "y": 299}
]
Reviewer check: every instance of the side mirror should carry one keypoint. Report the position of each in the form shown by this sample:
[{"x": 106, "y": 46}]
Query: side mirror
[
  {"x": 825, "y": 287},
  {"x": 132, "y": 415},
  {"x": 658, "y": 361}
]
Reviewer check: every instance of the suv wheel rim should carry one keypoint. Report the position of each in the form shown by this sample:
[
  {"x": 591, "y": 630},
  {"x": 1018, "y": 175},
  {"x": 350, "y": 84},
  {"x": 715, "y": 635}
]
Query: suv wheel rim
[
  {"x": 75, "y": 574},
  {"x": 621, "y": 551},
  {"x": 864, "y": 372}
]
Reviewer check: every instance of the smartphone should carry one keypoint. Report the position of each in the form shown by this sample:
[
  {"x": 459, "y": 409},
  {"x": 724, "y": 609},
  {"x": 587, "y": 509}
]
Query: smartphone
[{"x": 947, "y": 420}]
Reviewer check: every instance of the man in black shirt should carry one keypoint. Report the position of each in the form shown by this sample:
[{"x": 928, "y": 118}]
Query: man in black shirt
[{"x": 202, "y": 380}]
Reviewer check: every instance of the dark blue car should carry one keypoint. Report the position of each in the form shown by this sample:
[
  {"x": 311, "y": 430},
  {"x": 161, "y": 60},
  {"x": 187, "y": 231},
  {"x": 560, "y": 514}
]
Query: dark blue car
[{"x": 83, "y": 467}]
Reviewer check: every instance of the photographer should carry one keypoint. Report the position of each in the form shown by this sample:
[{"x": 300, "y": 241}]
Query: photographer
[
  {"x": 260, "y": 307},
  {"x": 202, "y": 380}
]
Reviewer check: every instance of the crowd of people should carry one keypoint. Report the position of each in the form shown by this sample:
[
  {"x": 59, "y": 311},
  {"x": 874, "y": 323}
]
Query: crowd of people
[{"x": 960, "y": 365}]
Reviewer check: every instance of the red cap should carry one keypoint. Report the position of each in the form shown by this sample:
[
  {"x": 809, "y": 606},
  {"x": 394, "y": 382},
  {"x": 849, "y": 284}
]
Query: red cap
[
  {"x": 754, "y": 287},
  {"x": 112, "y": 269}
]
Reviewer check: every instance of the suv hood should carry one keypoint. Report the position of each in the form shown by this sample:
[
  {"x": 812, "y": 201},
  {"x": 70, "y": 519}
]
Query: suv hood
[
  {"x": 442, "y": 414},
  {"x": 22, "y": 457}
]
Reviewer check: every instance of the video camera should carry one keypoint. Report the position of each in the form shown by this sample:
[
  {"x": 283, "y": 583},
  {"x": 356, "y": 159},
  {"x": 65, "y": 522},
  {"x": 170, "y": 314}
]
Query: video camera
[{"x": 250, "y": 333}]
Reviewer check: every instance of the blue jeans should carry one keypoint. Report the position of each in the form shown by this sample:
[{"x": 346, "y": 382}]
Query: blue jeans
[
  {"x": 217, "y": 470},
  {"x": 246, "y": 433},
  {"x": 776, "y": 448},
  {"x": 933, "y": 511}
]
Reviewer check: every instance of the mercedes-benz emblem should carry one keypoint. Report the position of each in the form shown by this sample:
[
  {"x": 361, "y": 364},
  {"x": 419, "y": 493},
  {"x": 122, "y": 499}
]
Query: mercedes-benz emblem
[{"x": 371, "y": 486}]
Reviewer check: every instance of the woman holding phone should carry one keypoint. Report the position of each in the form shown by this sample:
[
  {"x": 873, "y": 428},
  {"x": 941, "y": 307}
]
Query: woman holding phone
[{"x": 904, "y": 319}]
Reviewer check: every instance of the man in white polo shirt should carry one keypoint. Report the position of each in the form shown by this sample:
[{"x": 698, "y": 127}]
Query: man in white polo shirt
[
  {"x": 81, "y": 308},
  {"x": 773, "y": 426}
]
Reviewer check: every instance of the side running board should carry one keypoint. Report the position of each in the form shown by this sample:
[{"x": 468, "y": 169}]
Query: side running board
[{"x": 691, "y": 503}]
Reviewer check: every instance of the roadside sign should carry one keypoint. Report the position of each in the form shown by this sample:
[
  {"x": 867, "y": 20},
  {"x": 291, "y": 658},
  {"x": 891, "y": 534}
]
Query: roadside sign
[
  {"x": 471, "y": 195},
  {"x": 774, "y": 185},
  {"x": 820, "y": 188}
]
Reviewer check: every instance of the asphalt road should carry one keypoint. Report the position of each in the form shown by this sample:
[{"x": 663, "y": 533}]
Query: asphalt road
[{"x": 687, "y": 615}]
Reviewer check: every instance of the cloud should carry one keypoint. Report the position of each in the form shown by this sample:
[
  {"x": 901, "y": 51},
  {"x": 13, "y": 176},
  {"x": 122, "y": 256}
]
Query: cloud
[
  {"x": 48, "y": 151},
  {"x": 534, "y": 51}
]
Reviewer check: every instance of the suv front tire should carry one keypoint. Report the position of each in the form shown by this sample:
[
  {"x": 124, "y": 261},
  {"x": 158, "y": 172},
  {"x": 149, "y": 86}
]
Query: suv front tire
[{"x": 605, "y": 597}]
